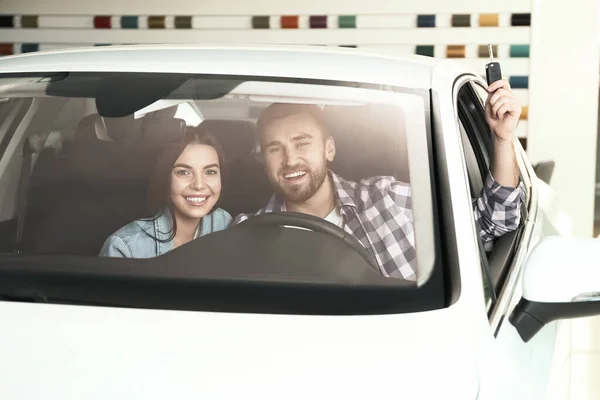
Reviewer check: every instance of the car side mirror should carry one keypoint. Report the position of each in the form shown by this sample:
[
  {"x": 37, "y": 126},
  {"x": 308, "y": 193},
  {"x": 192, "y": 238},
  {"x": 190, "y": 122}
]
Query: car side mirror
[{"x": 561, "y": 280}]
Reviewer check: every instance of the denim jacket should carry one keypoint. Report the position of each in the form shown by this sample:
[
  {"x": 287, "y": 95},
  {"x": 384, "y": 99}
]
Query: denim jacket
[{"x": 136, "y": 239}]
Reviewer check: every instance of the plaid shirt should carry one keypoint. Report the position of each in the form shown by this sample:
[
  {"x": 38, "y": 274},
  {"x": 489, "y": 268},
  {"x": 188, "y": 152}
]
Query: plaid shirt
[{"x": 378, "y": 212}]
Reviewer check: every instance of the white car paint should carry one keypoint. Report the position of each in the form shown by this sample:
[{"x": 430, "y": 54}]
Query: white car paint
[
  {"x": 576, "y": 269},
  {"x": 73, "y": 352},
  {"x": 261, "y": 61},
  {"x": 118, "y": 353}
]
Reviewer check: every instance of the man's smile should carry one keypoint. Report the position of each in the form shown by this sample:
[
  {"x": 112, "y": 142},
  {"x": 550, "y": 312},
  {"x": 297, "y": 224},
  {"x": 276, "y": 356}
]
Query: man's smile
[{"x": 295, "y": 175}]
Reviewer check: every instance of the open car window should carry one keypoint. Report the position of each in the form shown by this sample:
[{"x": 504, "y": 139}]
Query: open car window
[{"x": 83, "y": 163}]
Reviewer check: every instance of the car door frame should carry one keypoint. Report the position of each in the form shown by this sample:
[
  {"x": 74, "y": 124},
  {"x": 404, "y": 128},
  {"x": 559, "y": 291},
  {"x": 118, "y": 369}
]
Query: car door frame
[{"x": 506, "y": 295}]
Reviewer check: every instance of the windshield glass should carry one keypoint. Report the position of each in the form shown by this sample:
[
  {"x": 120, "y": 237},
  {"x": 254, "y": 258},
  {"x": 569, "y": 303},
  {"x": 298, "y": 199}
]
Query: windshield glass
[{"x": 216, "y": 172}]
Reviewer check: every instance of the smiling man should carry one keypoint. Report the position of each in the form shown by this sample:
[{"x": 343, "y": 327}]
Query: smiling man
[{"x": 296, "y": 148}]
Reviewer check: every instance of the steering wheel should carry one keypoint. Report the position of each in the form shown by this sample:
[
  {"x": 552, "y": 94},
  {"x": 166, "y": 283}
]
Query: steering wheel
[{"x": 312, "y": 223}]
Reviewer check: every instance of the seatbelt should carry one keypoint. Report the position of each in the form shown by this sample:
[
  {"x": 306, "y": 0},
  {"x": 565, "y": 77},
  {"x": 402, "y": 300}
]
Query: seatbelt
[
  {"x": 486, "y": 268},
  {"x": 22, "y": 193}
]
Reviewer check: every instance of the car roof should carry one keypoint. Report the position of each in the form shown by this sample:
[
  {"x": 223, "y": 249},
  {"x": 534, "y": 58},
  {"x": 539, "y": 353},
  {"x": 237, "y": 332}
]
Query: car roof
[{"x": 310, "y": 62}]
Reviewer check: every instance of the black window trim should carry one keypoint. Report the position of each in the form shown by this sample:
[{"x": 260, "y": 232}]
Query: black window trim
[
  {"x": 481, "y": 147},
  {"x": 433, "y": 292}
]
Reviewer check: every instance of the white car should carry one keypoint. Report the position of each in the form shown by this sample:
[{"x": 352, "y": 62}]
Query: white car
[{"x": 261, "y": 310}]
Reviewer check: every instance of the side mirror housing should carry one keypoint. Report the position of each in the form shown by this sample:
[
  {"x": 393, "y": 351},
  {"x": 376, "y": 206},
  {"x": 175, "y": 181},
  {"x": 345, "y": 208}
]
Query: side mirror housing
[{"x": 561, "y": 281}]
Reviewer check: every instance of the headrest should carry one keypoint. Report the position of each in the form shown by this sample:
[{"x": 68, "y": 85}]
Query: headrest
[
  {"x": 91, "y": 129},
  {"x": 110, "y": 164},
  {"x": 236, "y": 137},
  {"x": 157, "y": 131},
  {"x": 99, "y": 158},
  {"x": 126, "y": 129},
  {"x": 370, "y": 141}
]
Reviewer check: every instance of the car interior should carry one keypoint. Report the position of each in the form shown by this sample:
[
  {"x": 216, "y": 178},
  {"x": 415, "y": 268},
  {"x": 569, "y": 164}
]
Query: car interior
[{"x": 91, "y": 174}]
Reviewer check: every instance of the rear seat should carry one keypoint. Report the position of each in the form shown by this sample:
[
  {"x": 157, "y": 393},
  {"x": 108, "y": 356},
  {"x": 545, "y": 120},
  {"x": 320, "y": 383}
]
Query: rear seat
[
  {"x": 369, "y": 140},
  {"x": 77, "y": 200},
  {"x": 246, "y": 188}
]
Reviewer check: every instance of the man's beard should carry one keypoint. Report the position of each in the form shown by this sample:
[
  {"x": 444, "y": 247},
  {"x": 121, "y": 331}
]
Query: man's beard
[{"x": 299, "y": 193}]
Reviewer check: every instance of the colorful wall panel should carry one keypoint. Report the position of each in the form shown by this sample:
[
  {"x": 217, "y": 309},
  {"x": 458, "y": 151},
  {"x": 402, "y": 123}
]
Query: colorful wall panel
[{"x": 457, "y": 30}]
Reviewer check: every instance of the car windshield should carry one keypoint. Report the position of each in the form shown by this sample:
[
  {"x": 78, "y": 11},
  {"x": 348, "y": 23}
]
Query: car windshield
[{"x": 210, "y": 178}]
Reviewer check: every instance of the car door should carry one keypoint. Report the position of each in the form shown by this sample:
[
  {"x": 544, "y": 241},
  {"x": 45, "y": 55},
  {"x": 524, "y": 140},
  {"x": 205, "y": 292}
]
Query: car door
[{"x": 524, "y": 368}]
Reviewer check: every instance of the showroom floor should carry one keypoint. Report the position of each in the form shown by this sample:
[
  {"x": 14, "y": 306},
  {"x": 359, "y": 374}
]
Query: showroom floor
[
  {"x": 581, "y": 369},
  {"x": 578, "y": 376}
]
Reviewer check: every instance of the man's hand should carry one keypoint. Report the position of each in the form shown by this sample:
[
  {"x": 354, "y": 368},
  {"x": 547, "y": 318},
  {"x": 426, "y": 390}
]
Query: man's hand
[{"x": 502, "y": 110}]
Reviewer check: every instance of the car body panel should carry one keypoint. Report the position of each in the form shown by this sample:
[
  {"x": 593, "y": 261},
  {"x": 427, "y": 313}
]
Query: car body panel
[
  {"x": 70, "y": 352},
  {"x": 309, "y": 63}
]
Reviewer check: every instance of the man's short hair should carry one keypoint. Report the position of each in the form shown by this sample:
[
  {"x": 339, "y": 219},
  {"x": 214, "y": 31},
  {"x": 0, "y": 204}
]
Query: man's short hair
[{"x": 282, "y": 110}]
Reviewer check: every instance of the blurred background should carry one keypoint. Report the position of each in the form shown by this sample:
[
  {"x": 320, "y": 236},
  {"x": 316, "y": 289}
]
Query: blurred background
[{"x": 549, "y": 51}]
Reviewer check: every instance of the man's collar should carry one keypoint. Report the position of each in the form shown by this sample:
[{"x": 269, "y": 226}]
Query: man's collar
[
  {"x": 275, "y": 204},
  {"x": 343, "y": 191}
]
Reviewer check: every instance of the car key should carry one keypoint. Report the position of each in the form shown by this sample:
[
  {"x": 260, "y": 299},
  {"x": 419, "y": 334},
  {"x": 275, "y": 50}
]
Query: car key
[{"x": 492, "y": 69}]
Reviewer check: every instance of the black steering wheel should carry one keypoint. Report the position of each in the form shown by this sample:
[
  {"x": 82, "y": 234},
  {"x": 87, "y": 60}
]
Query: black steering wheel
[{"x": 313, "y": 223}]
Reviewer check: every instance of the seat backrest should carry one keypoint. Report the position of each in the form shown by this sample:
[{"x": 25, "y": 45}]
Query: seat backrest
[
  {"x": 246, "y": 188},
  {"x": 370, "y": 140},
  {"x": 97, "y": 187}
]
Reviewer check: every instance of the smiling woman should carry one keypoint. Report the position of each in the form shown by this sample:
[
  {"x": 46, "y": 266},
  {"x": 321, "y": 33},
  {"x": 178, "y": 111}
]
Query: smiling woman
[{"x": 187, "y": 190}]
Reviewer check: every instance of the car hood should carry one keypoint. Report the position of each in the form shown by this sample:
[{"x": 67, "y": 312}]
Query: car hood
[{"x": 74, "y": 352}]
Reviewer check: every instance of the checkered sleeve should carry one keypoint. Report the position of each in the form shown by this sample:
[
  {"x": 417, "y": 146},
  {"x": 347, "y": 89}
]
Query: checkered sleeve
[
  {"x": 387, "y": 219},
  {"x": 498, "y": 209},
  {"x": 400, "y": 194}
]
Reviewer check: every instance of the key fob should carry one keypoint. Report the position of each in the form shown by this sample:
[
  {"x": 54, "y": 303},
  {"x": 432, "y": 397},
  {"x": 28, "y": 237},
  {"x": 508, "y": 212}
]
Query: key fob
[{"x": 493, "y": 72}]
